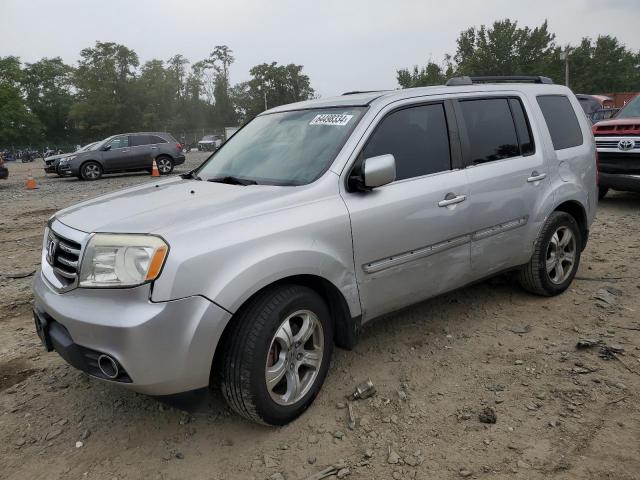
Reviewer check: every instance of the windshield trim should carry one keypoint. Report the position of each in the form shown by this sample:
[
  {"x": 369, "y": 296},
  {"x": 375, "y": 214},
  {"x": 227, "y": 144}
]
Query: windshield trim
[{"x": 339, "y": 147}]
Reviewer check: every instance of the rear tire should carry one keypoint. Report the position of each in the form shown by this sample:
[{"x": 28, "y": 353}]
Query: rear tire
[
  {"x": 165, "y": 165},
  {"x": 277, "y": 354},
  {"x": 556, "y": 256},
  {"x": 602, "y": 192},
  {"x": 91, "y": 171}
]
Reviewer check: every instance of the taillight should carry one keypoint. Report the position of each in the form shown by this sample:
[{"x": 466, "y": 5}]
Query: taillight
[
  {"x": 178, "y": 146},
  {"x": 597, "y": 169}
]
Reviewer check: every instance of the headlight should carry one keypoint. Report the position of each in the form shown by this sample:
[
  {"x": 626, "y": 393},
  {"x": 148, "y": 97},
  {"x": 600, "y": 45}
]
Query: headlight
[
  {"x": 64, "y": 161},
  {"x": 112, "y": 260}
]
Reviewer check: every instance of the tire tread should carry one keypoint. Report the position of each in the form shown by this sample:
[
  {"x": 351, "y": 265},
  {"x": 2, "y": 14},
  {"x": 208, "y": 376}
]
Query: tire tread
[
  {"x": 530, "y": 276},
  {"x": 241, "y": 347}
]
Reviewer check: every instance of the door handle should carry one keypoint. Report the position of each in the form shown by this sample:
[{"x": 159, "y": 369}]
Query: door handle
[
  {"x": 536, "y": 177},
  {"x": 451, "y": 199}
]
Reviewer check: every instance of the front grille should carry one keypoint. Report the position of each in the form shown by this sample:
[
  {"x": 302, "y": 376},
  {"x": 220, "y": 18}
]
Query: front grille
[
  {"x": 64, "y": 257},
  {"x": 615, "y": 143},
  {"x": 624, "y": 129}
]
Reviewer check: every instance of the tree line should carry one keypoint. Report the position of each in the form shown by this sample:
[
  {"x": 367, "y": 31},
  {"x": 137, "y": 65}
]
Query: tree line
[
  {"x": 109, "y": 91},
  {"x": 595, "y": 66}
]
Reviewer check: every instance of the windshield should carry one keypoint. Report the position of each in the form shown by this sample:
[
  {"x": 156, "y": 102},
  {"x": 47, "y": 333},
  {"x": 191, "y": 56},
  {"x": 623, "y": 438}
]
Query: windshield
[
  {"x": 631, "y": 109},
  {"x": 89, "y": 147},
  {"x": 287, "y": 148}
]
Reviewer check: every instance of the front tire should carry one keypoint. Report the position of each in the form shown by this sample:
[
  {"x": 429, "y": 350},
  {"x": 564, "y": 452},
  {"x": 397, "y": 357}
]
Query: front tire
[
  {"x": 91, "y": 171},
  {"x": 555, "y": 258},
  {"x": 277, "y": 354}
]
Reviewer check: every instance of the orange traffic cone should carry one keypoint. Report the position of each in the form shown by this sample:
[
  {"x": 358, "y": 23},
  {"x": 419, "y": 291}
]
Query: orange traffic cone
[
  {"x": 31, "y": 183},
  {"x": 154, "y": 170}
]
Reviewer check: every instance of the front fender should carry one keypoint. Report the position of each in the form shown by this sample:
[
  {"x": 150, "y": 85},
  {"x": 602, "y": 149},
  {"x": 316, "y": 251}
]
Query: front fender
[
  {"x": 229, "y": 263},
  {"x": 248, "y": 279}
]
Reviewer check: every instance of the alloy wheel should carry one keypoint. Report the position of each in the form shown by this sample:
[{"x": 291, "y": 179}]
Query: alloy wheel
[
  {"x": 92, "y": 172},
  {"x": 294, "y": 357},
  {"x": 164, "y": 165},
  {"x": 561, "y": 255}
]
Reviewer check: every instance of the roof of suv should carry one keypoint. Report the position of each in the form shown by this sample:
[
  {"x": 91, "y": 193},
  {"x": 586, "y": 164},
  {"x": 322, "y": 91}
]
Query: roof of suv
[{"x": 367, "y": 98}]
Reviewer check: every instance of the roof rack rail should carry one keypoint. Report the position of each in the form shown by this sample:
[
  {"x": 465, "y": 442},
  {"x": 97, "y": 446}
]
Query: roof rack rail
[
  {"x": 457, "y": 81},
  {"x": 355, "y": 92}
]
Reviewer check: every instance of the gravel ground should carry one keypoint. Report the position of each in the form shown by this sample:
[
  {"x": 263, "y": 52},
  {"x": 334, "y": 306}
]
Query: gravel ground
[{"x": 439, "y": 368}]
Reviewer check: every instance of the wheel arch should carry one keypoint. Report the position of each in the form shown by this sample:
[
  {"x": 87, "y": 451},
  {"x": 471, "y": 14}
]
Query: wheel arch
[
  {"x": 91, "y": 160},
  {"x": 579, "y": 213},
  {"x": 346, "y": 327}
]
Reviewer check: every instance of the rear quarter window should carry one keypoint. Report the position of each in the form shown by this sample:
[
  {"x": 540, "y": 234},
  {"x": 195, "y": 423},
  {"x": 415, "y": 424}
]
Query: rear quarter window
[
  {"x": 561, "y": 120},
  {"x": 156, "y": 139}
]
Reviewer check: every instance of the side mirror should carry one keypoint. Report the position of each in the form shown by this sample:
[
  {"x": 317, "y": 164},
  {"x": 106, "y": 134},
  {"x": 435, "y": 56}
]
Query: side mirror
[
  {"x": 106, "y": 148},
  {"x": 378, "y": 171}
]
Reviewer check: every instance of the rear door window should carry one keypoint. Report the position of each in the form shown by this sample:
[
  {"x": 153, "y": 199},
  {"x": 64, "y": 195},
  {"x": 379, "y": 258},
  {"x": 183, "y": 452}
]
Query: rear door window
[
  {"x": 561, "y": 120},
  {"x": 138, "y": 140},
  {"x": 418, "y": 139},
  {"x": 490, "y": 129}
]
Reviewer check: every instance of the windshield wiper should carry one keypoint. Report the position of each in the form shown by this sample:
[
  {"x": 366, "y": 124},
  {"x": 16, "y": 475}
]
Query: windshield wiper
[
  {"x": 191, "y": 174},
  {"x": 231, "y": 180}
]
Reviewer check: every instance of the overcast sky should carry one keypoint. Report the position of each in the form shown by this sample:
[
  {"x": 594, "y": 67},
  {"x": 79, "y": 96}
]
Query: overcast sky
[{"x": 343, "y": 45}]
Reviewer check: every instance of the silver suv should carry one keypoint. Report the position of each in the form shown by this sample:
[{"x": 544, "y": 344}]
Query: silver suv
[{"x": 312, "y": 220}]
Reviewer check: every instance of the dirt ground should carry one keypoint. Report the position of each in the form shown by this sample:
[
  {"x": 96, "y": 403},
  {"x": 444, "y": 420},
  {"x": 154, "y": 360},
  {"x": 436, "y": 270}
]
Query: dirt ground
[{"x": 562, "y": 413}]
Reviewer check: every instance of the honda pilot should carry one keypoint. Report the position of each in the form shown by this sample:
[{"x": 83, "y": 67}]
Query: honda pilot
[{"x": 312, "y": 220}]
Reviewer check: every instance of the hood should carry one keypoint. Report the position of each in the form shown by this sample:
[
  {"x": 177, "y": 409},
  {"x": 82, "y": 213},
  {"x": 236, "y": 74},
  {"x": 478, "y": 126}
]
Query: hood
[
  {"x": 618, "y": 126},
  {"x": 173, "y": 204},
  {"x": 57, "y": 157}
]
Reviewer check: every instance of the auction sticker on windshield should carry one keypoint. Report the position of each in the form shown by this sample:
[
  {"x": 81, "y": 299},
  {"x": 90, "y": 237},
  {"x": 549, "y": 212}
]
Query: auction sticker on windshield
[{"x": 335, "y": 119}]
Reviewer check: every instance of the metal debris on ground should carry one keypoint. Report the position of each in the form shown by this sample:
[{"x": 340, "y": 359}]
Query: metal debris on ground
[
  {"x": 608, "y": 352},
  {"x": 587, "y": 343},
  {"x": 352, "y": 417},
  {"x": 364, "y": 390}
]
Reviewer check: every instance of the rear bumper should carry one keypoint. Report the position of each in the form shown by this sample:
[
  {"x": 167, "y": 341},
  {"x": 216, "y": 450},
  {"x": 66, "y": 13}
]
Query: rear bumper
[
  {"x": 163, "y": 348},
  {"x": 620, "y": 181},
  {"x": 178, "y": 160}
]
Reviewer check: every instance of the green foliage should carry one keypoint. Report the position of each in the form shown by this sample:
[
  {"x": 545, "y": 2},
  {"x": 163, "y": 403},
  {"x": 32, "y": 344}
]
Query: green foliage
[
  {"x": 17, "y": 122},
  {"x": 48, "y": 86},
  {"x": 108, "y": 100},
  {"x": 271, "y": 85},
  {"x": 506, "y": 49},
  {"x": 432, "y": 74},
  {"x": 604, "y": 66}
]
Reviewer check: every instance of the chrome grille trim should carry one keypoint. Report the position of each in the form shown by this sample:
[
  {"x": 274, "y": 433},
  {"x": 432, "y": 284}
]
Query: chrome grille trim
[
  {"x": 63, "y": 271},
  {"x": 69, "y": 249}
]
